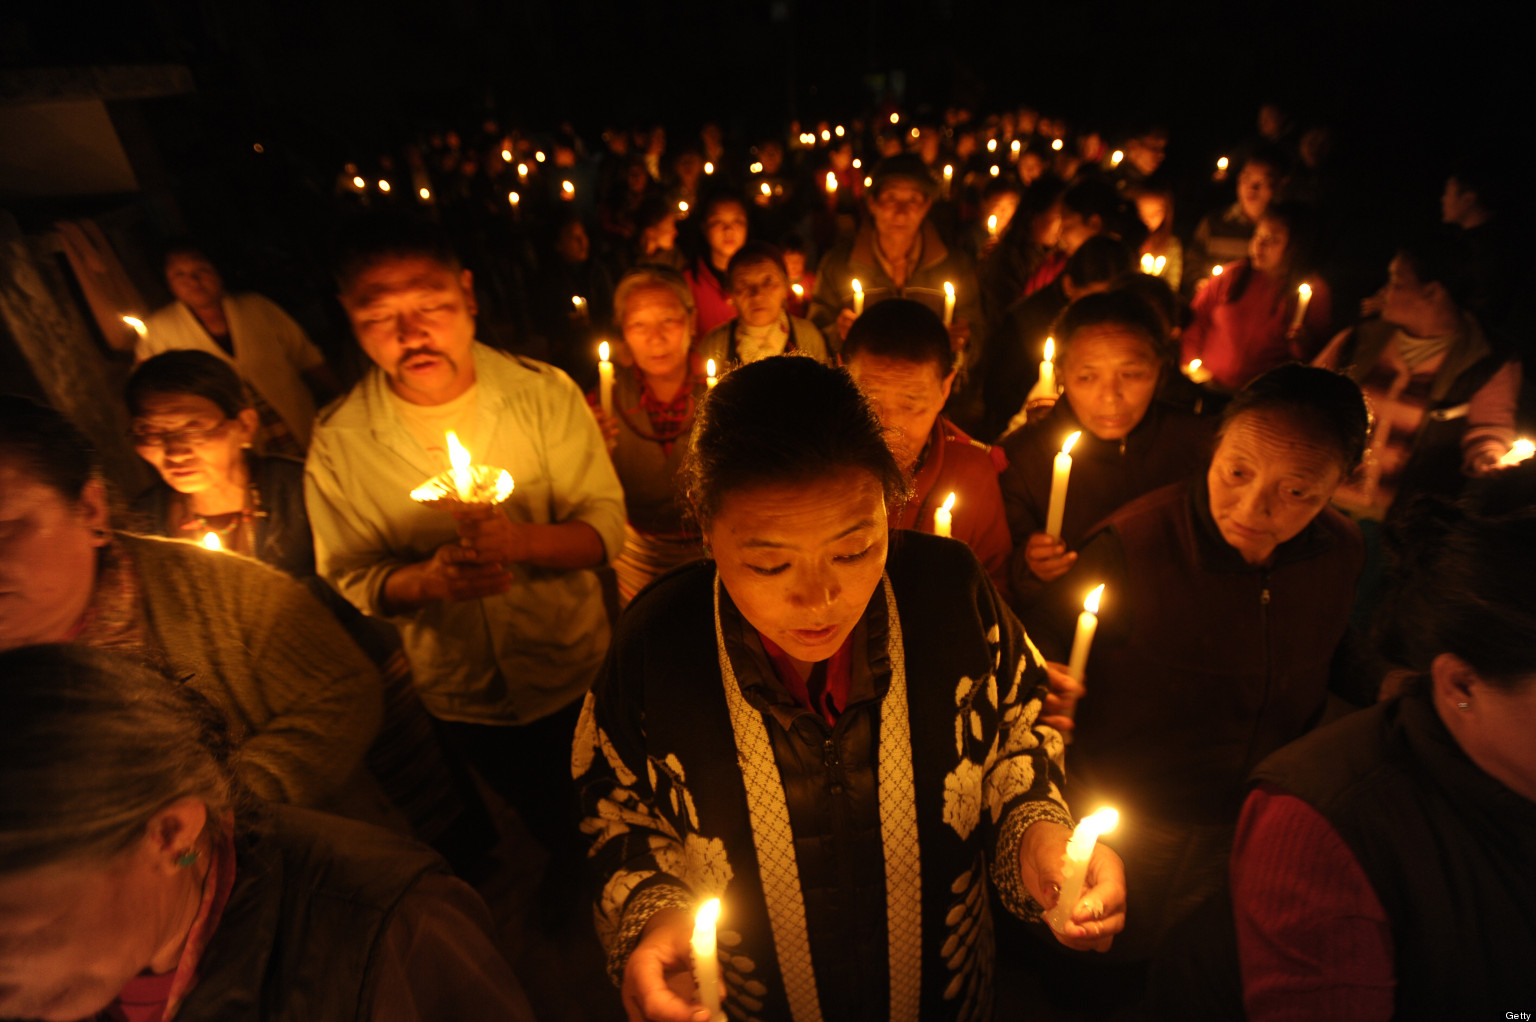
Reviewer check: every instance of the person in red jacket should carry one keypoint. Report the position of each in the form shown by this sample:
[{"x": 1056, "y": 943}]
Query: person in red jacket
[
  {"x": 1254, "y": 316},
  {"x": 725, "y": 230},
  {"x": 899, "y": 354}
]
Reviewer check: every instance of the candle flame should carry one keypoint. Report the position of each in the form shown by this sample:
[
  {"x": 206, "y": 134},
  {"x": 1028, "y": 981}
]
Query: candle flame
[
  {"x": 798, "y": 289},
  {"x": 425, "y": 193},
  {"x": 765, "y": 189},
  {"x": 949, "y": 503},
  {"x": 895, "y": 118},
  {"x": 514, "y": 198},
  {"x": 996, "y": 170},
  {"x": 1066, "y": 447},
  {"x": 1305, "y": 291},
  {"x": 826, "y": 136},
  {"x": 578, "y": 301},
  {"x": 991, "y": 145},
  {"x": 1195, "y": 364},
  {"x": 1050, "y": 349},
  {"x": 383, "y": 186},
  {"x": 1091, "y": 604},
  {"x": 858, "y": 164},
  {"x": 756, "y": 168},
  {"x": 838, "y": 131},
  {"x": 709, "y": 168},
  {"x": 709, "y": 369},
  {"x": 992, "y": 224},
  {"x": 1089, "y": 829},
  {"x": 211, "y": 541},
  {"x": 1216, "y": 270},
  {"x": 858, "y": 288},
  {"x": 831, "y": 181},
  {"x": 503, "y": 486},
  {"x": 522, "y": 170},
  {"x": 1056, "y": 144},
  {"x": 358, "y": 182},
  {"x": 1222, "y": 164},
  {"x": 868, "y": 181},
  {"x": 705, "y": 921},
  {"x": 914, "y": 132},
  {"x": 1520, "y": 451},
  {"x": 602, "y": 352},
  {"x": 1157, "y": 267},
  {"x": 949, "y": 289},
  {"x": 567, "y": 188},
  {"x": 1147, "y": 262},
  {"x": 506, "y": 155},
  {"x": 1017, "y": 145},
  {"x": 682, "y": 206},
  {"x": 458, "y": 457},
  {"x": 1115, "y": 158},
  {"x": 539, "y": 156},
  {"x": 949, "y": 171},
  {"x": 137, "y": 324}
]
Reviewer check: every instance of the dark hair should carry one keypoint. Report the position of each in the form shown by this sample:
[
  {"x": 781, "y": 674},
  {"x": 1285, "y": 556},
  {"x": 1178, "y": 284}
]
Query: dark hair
[
  {"x": 1484, "y": 177},
  {"x": 47, "y": 445},
  {"x": 901, "y": 167},
  {"x": 1111, "y": 308},
  {"x": 1440, "y": 256},
  {"x": 784, "y": 419},
  {"x": 189, "y": 247},
  {"x": 1098, "y": 260},
  {"x": 1328, "y": 402},
  {"x": 1266, "y": 156},
  {"x": 97, "y": 743},
  {"x": 370, "y": 240},
  {"x": 1092, "y": 197},
  {"x": 1461, "y": 584},
  {"x": 792, "y": 244},
  {"x": 652, "y": 211},
  {"x": 1160, "y": 297},
  {"x": 198, "y": 373},
  {"x": 755, "y": 253},
  {"x": 903, "y": 329},
  {"x": 719, "y": 196}
]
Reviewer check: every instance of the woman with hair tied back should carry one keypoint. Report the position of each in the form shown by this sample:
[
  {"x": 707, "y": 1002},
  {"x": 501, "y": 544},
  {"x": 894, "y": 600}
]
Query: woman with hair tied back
[
  {"x": 833, "y": 732},
  {"x": 1383, "y": 865},
  {"x": 1221, "y": 637},
  {"x": 139, "y": 881}
]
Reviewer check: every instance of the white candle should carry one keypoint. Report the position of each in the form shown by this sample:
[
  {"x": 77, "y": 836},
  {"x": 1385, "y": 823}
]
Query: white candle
[
  {"x": 211, "y": 541},
  {"x": 1082, "y": 642},
  {"x": 1303, "y": 299},
  {"x": 943, "y": 518},
  {"x": 709, "y": 374},
  {"x": 458, "y": 457},
  {"x": 1074, "y": 866},
  {"x": 858, "y": 297},
  {"x": 949, "y": 303},
  {"x": 1060, "y": 471},
  {"x": 1518, "y": 452},
  {"x": 605, "y": 378},
  {"x": 1045, "y": 386},
  {"x": 706, "y": 961}
]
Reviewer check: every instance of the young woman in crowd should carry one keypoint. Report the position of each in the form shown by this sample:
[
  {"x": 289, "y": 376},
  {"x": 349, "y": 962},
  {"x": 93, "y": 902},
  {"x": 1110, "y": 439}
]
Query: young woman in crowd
[
  {"x": 1224, "y": 614},
  {"x": 724, "y": 220},
  {"x": 1254, "y": 316},
  {"x": 139, "y": 879},
  {"x": 1110, "y": 363},
  {"x": 882, "y": 704}
]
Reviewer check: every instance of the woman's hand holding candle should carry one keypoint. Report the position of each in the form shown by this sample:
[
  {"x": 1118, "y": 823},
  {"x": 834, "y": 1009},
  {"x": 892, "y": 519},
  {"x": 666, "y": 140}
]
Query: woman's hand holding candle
[
  {"x": 1048, "y": 557},
  {"x": 1100, "y": 911},
  {"x": 664, "y": 950}
]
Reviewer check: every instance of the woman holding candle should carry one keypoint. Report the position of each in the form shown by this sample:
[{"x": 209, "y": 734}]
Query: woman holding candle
[
  {"x": 1110, "y": 361},
  {"x": 882, "y": 705},
  {"x": 898, "y": 353},
  {"x": 140, "y": 880},
  {"x": 655, "y": 402},
  {"x": 1221, "y": 633},
  {"x": 1381, "y": 867},
  {"x": 1264, "y": 310},
  {"x": 193, "y": 422}
]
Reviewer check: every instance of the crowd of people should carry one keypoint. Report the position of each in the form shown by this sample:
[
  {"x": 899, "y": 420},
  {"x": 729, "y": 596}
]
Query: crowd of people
[{"x": 778, "y": 597}]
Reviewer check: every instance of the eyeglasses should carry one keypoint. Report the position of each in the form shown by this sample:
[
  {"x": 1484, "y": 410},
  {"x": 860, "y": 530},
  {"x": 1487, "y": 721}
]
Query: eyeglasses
[{"x": 189, "y": 436}]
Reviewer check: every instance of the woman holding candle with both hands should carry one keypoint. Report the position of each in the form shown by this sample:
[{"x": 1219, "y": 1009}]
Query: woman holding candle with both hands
[
  {"x": 835, "y": 733},
  {"x": 1110, "y": 363},
  {"x": 1222, "y": 631},
  {"x": 655, "y": 401}
]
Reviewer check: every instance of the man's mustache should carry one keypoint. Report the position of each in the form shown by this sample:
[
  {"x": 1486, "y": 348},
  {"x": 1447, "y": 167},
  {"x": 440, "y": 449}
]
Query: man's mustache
[{"x": 418, "y": 352}]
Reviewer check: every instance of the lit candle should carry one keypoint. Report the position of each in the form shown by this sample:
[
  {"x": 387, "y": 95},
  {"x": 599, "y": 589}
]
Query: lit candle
[
  {"x": 996, "y": 170},
  {"x": 506, "y": 156},
  {"x": 1115, "y": 158},
  {"x": 1060, "y": 471},
  {"x": 1056, "y": 144},
  {"x": 539, "y": 156},
  {"x": 1017, "y": 145},
  {"x": 992, "y": 226},
  {"x": 1147, "y": 262},
  {"x": 709, "y": 168},
  {"x": 949, "y": 176},
  {"x": 706, "y": 962},
  {"x": 858, "y": 297},
  {"x": 991, "y": 145},
  {"x": 838, "y": 131},
  {"x": 605, "y": 378},
  {"x": 1520, "y": 451},
  {"x": 1087, "y": 624},
  {"x": 895, "y": 118},
  {"x": 522, "y": 172},
  {"x": 682, "y": 207},
  {"x": 831, "y": 182},
  {"x": 943, "y": 517},
  {"x": 798, "y": 289},
  {"x": 1216, "y": 270},
  {"x": 1303, "y": 299},
  {"x": 765, "y": 189},
  {"x": 1222, "y": 164},
  {"x": 857, "y": 163},
  {"x": 458, "y": 457},
  {"x": 868, "y": 181},
  {"x": 949, "y": 304},
  {"x": 516, "y": 201},
  {"x": 579, "y": 304},
  {"x": 709, "y": 374},
  {"x": 425, "y": 193},
  {"x": 211, "y": 541},
  {"x": 1045, "y": 386},
  {"x": 383, "y": 186},
  {"x": 1157, "y": 267},
  {"x": 826, "y": 136},
  {"x": 755, "y": 168},
  {"x": 1074, "y": 866},
  {"x": 359, "y": 183},
  {"x": 1197, "y": 371},
  {"x": 567, "y": 190},
  {"x": 138, "y": 325}
]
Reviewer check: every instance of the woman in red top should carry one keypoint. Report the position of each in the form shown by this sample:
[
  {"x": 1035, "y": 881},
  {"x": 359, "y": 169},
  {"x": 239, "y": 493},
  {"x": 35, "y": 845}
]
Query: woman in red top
[{"x": 1246, "y": 318}]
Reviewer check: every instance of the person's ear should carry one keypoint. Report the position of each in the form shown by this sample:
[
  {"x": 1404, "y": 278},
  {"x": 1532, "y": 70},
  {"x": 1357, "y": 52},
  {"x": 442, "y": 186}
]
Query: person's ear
[
  {"x": 1454, "y": 681},
  {"x": 95, "y": 510},
  {"x": 467, "y": 283},
  {"x": 946, "y": 384},
  {"x": 247, "y": 422},
  {"x": 173, "y": 834}
]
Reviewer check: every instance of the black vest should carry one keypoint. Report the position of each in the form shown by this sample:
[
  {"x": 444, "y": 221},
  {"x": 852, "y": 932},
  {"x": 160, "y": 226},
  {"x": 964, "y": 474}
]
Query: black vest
[
  {"x": 299, "y": 937},
  {"x": 1450, "y": 852}
]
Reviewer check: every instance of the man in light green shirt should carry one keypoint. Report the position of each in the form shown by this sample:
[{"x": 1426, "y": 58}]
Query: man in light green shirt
[{"x": 501, "y": 614}]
